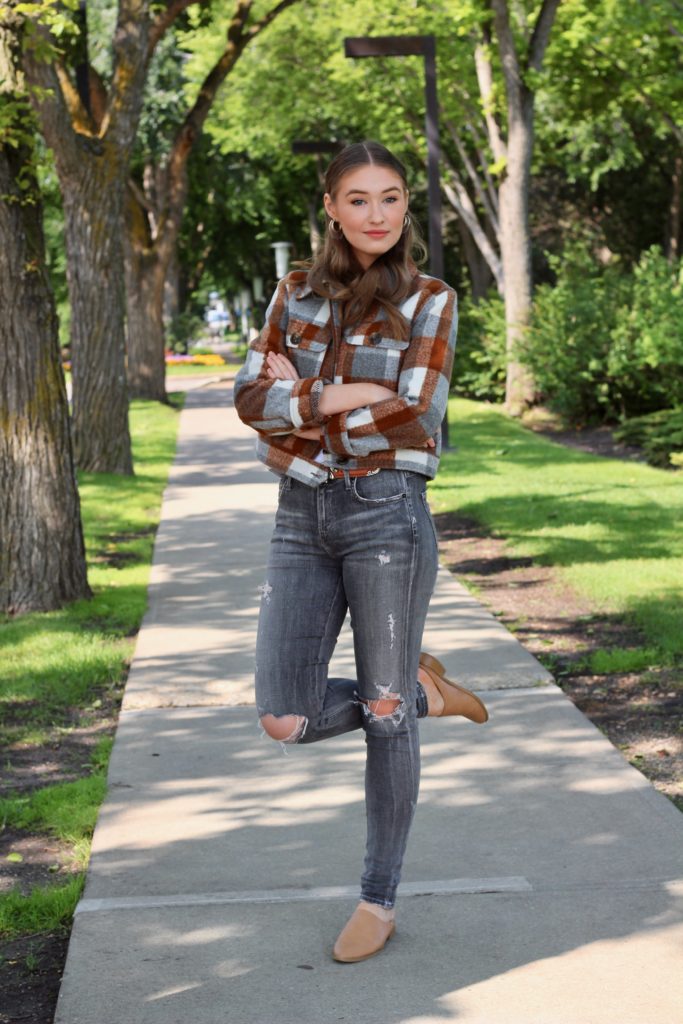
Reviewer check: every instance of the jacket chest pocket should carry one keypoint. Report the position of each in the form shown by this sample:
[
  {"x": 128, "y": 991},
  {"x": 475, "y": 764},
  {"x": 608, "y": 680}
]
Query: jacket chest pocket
[
  {"x": 306, "y": 347},
  {"x": 375, "y": 356}
]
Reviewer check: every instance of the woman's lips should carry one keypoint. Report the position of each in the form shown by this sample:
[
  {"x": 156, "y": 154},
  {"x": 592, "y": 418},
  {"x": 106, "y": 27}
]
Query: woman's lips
[{"x": 376, "y": 234}]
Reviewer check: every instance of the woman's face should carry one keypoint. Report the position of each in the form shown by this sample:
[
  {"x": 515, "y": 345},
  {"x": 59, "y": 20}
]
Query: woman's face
[{"x": 370, "y": 205}]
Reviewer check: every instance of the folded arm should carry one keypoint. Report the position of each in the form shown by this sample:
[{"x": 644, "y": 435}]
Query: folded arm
[
  {"x": 274, "y": 405},
  {"x": 411, "y": 417}
]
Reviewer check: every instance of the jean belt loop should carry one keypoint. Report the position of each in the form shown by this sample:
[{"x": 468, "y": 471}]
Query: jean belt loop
[{"x": 347, "y": 480}]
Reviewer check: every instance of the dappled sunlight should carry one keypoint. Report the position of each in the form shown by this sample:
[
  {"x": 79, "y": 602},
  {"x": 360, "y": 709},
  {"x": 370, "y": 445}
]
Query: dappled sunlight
[
  {"x": 165, "y": 936},
  {"x": 605, "y": 784},
  {"x": 173, "y": 990}
]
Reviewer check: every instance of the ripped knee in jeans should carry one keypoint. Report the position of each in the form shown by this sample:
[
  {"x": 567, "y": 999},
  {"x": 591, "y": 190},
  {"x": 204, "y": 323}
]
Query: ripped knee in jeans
[
  {"x": 285, "y": 728},
  {"x": 388, "y": 707}
]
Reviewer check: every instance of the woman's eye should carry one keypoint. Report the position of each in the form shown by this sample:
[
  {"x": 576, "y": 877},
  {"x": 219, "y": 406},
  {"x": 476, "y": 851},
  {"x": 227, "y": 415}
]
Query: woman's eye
[
  {"x": 391, "y": 199},
  {"x": 357, "y": 202}
]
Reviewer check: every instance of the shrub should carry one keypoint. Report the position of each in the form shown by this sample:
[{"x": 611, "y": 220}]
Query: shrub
[
  {"x": 660, "y": 435},
  {"x": 568, "y": 343},
  {"x": 480, "y": 363},
  {"x": 605, "y": 344},
  {"x": 645, "y": 360},
  {"x": 182, "y": 331}
]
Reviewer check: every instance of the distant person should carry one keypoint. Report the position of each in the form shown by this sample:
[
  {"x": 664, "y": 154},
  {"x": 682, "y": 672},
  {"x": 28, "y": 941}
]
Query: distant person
[{"x": 346, "y": 386}]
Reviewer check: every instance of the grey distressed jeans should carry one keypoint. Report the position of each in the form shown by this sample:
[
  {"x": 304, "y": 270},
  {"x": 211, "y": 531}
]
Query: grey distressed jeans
[{"x": 369, "y": 544}]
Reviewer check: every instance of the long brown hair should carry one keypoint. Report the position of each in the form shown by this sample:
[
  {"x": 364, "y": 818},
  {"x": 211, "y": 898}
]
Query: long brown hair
[{"x": 335, "y": 273}]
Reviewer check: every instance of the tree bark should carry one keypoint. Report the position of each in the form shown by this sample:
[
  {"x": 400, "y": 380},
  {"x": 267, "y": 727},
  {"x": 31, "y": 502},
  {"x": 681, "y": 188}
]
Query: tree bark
[
  {"x": 93, "y": 214},
  {"x": 516, "y": 257},
  {"x": 673, "y": 234},
  {"x": 42, "y": 555},
  {"x": 145, "y": 276},
  {"x": 514, "y": 189},
  {"x": 92, "y": 151},
  {"x": 480, "y": 273}
]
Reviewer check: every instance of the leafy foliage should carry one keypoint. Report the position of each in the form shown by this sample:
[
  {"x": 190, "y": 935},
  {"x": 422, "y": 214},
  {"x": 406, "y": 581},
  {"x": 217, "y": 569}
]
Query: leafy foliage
[
  {"x": 659, "y": 433},
  {"x": 480, "y": 360},
  {"x": 606, "y": 343}
]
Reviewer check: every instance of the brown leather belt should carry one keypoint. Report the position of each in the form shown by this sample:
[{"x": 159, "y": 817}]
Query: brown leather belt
[{"x": 339, "y": 474}]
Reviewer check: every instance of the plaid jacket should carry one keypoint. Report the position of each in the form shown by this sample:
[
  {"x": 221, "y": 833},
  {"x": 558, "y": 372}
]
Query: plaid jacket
[{"x": 389, "y": 434}]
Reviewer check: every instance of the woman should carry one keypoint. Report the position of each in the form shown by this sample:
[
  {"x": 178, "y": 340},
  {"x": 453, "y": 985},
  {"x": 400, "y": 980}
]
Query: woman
[{"x": 346, "y": 386}]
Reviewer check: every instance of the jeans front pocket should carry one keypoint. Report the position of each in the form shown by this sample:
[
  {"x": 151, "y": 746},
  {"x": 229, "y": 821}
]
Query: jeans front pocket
[{"x": 381, "y": 488}]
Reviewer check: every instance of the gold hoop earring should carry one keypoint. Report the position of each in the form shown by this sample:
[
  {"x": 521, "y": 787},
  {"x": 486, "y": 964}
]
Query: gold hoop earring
[
  {"x": 335, "y": 229},
  {"x": 406, "y": 223}
]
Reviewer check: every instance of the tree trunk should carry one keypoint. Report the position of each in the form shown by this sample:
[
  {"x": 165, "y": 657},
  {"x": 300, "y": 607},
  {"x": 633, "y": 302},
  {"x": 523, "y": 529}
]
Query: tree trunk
[
  {"x": 514, "y": 189},
  {"x": 672, "y": 244},
  {"x": 145, "y": 327},
  {"x": 481, "y": 277},
  {"x": 172, "y": 290},
  {"x": 516, "y": 255},
  {"x": 92, "y": 151},
  {"x": 93, "y": 215},
  {"x": 313, "y": 225},
  {"x": 145, "y": 307},
  {"x": 42, "y": 556}
]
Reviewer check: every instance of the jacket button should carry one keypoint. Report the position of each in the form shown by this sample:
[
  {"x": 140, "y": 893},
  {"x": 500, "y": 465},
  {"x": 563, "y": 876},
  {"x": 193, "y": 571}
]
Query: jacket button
[
  {"x": 295, "y": 339},
  {"x": 375, "y": 339}
]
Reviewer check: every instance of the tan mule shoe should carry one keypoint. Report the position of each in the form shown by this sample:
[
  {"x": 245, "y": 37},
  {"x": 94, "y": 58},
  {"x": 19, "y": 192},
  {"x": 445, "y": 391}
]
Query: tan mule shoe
[
  {"x": 456, "y": 699},
  {"x": 362, "y": 936}
]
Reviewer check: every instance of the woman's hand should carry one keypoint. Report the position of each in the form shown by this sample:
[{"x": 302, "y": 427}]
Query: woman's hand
[
  {"x": 279, "y": 367},
  {"x": 310, "y": 433}
]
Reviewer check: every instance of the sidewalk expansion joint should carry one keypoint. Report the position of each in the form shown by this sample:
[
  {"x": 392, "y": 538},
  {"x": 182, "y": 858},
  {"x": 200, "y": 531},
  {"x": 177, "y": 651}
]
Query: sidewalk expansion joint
[{"x": 447, "y": 887}]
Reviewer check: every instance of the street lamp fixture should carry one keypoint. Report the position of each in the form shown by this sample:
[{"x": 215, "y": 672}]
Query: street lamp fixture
[
  {"x": 413, "y": 46},
  {"x": 313, "y": 146},
  {"x": 281, "y": 258}
]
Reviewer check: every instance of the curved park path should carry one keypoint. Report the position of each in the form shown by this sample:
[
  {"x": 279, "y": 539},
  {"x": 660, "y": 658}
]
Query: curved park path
[{"x": 544, "y": 877}]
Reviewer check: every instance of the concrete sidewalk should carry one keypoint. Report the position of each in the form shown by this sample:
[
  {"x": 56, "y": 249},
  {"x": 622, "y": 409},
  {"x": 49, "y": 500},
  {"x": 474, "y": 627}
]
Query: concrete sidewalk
[{"x": 544, "y": 877}]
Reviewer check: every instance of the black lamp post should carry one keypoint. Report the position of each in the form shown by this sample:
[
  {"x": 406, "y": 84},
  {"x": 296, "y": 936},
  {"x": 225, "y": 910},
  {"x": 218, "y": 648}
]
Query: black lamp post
[{"x": 409, "y": 46}]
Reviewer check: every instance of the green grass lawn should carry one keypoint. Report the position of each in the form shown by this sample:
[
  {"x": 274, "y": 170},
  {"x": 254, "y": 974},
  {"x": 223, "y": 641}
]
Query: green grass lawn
[
  {"x": 190, "y": 370},
  {"x": 613, "y": 528},
  {"x": 185, "y": 370},
  {"x": 59, "y": 667}
]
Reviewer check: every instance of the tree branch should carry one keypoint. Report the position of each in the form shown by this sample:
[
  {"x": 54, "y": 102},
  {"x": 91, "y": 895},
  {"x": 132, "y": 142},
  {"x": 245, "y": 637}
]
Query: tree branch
[
  {"x": 238, "y": 37},
  {"x": 130, "y": 67},
  {"x": 482, "y": 157},
  {"x": 482, "y": 64},
  {"x": 270, "y": 16},
  {"x": 509, "y": 57},
  {"x": 459, "y": 198},
  {"x": 163, "y": 21},
  {"x": 473, "y": 175},
  {"x": 541, "y": 34},
  {"x": 52, "y": 108}
]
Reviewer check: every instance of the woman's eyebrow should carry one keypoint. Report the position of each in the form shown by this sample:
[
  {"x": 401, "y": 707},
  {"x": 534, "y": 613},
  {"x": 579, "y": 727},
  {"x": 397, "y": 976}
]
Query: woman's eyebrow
[{"x": 361, "y": 192}]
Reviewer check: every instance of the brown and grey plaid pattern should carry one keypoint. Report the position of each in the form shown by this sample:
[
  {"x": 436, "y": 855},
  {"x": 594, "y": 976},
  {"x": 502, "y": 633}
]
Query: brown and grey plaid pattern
[{"x": 388, "y": 435}]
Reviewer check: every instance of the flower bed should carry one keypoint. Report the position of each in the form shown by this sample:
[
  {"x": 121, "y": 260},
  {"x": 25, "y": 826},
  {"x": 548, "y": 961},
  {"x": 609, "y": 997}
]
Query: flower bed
[{"x": 173, "y": 359}]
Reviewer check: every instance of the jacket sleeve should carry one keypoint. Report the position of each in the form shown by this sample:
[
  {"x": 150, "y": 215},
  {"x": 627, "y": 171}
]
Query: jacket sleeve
[
  {"x": 275, "y": 406},
  {"x": 415, "y": 414}
]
